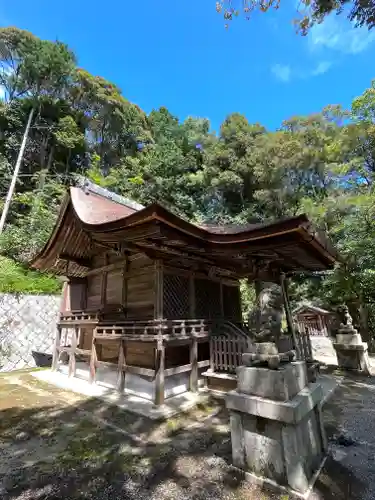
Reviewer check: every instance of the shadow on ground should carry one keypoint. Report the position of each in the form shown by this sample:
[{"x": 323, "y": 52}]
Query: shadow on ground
[
  {"x": 59, "y": 448},
  {"x": 60, "y": 445}
]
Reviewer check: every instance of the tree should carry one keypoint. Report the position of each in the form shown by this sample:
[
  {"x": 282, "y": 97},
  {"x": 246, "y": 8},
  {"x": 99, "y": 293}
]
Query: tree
[{"x": 309, "y": 12}]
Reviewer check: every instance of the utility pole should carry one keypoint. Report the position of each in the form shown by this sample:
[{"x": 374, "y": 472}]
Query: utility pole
[{"x": 15, "y": 173}]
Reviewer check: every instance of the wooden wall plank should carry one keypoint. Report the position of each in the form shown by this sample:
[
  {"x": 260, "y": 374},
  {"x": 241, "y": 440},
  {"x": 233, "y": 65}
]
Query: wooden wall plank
[
  {"x": 94, "y": 284},
  {"x": 114, "y": 286}
]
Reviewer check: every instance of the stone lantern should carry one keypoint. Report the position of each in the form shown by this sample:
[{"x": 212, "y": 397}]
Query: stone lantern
[{"x": 275, "y": 416}]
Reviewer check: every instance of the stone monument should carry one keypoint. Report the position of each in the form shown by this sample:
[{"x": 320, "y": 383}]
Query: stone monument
[
  {"x": 350, "y": 350},
  {"x": 275, "y": 417}
]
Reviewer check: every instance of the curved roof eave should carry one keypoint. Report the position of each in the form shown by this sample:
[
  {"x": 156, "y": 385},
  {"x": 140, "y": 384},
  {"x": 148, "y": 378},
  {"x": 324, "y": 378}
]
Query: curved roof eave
[
  {"x": 119, "y": 217},
  {"x": 155, "y": 211},
  {"x": 56, "y": 230}
]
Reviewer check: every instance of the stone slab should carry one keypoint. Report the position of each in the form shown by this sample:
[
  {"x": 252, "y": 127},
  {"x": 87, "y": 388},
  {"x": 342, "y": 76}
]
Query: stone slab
[
  {"x": 279, "y": 385},
  {"x": 290, "y": 412},
  {"x": 350, "y": 347},
  {"x": 287, "y": 453},
  {"x": 353, "y": 357},
  {"x": 348, "y": 338}
]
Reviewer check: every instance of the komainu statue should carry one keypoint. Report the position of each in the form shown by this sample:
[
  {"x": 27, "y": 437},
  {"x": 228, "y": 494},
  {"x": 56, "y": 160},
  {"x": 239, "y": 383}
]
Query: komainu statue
[
  {"x": 265, "y": 319},
  {"x": 265, "y": 325},
  {"x": 346, "y": 321}
]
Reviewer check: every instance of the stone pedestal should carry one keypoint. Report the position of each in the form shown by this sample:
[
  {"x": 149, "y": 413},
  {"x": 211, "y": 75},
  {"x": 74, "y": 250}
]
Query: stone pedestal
[
  {"x": 351, "y": 351},
  {"x": 276, "y": 425},
  {"x": 352, "y": 356}
]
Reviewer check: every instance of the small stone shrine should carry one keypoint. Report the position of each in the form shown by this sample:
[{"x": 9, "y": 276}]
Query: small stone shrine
[
  {"x": 275, "y": 417},
  {"x": 350, "y": 350}
]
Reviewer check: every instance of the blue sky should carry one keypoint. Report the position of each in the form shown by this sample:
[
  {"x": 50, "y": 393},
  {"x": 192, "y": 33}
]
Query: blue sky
[{"x": 178, "y": 54}]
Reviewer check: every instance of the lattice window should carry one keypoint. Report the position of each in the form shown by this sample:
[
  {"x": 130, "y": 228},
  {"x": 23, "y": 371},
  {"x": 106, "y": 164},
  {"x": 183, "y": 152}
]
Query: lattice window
[
  {"x": 207, "y": 299},
  {"x": 232, "y": 302},
  {"x": 201, "y": 302},
  {"x": 175, "y": 296},
  {"x": 214, "y": 299}
]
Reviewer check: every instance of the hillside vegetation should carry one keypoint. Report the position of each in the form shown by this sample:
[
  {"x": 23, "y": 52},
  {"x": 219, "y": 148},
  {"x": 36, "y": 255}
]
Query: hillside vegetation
[{"x": 322, "y": 164}]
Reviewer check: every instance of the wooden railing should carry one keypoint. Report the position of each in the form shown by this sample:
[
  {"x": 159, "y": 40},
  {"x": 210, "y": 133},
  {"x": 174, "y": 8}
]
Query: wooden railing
[
  {"x": 314, "y": 328},
  {"x": 304, "y": 345},
  {"x": 114, "y": 328},
  {"x": 226, "y": 354},
  {"x": 76, "y": 318},
  {"x": 127, "y": 329}
]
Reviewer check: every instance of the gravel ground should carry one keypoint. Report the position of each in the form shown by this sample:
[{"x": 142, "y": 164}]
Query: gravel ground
[
  {"x": 59, "y": 445},
  {"x": 349, "y": 473}
]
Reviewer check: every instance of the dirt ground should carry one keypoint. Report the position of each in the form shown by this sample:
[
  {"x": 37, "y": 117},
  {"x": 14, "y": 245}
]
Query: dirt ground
[{"x": 56, "y": 444}]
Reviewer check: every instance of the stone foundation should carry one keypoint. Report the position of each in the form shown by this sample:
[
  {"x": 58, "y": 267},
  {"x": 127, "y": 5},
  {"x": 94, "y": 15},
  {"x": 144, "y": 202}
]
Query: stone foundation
[
  {"x": 352, "y": 356},
  {"x": 350, "y": 350},
  {"x": 276, "y": 425}
]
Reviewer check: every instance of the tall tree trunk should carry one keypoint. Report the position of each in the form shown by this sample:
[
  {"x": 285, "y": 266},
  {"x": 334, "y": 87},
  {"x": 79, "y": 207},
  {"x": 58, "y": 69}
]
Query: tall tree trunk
[{"x": 363, "y": 320}]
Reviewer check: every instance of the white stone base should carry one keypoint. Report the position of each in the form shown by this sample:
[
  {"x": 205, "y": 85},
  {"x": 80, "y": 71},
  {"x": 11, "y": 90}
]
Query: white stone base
[
  {"x": 135, "y": 404},
  {"x": 136, "y": 385}
]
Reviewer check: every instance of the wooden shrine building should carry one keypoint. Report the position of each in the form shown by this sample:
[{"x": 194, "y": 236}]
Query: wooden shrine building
[
  {"x": 145, "y": 289},
  {"x": 315, "y": 320}
]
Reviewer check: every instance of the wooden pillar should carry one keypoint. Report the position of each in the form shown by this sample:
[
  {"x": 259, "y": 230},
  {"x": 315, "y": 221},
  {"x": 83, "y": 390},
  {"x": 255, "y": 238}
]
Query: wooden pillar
[
  {"x": 103, "y": 300},
  {"x": 194, "y": 365},
  {"x": 72, "y": 354},
  {"x": 93, "y": 359},
  {"x": 192, "y": 296},
  {"x": 160, "y": 349},
  {"x": 65, "y": 305},
  {"x": 159, "y": 378},
  {"x": 121, "y": 367},
  {"x": 56, "y": 352},
  {"x": 158, "y": 290},
  {"x": 258, "y": 288},
  {"x": 221, "y": 300},
  {"x": 125, "y": 285},
  {"x": 321, "y": 326},
  {"x": 288, "y": 313}
]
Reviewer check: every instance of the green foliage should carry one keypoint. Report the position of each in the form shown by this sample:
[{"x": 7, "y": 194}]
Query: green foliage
[
  {"x": 14, "y": 278},
  {"x": 308, "y": 12},
  {"x": 322, "y": 165},
  {"x": 247, "y": 297}
]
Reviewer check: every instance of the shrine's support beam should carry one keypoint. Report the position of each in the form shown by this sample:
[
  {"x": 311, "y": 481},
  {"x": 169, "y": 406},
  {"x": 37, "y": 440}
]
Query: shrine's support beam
[
  {"x": 194, "y": 365},
  {"x": 121, "y": 367},
  {"x": 160, "y": 349},
  {"x": 93, "y": 361},
  {"x": 72, "y": 353},
  {"x": 288, "y": 312},
  {"x": 56, "y": 352},
  {"x": 159, "y": 376}
]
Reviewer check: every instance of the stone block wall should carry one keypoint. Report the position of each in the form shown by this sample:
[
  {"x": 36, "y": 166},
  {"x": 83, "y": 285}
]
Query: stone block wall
[{"x": 27, "y": 323}]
